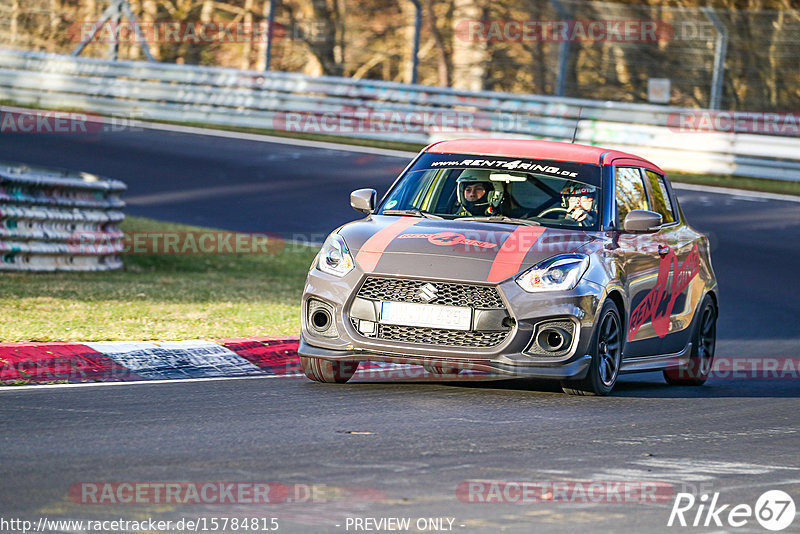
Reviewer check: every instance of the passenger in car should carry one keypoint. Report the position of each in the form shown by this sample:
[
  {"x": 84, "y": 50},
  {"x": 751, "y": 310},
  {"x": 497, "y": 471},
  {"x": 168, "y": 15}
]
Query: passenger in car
[{"x": 579, "y": 200}]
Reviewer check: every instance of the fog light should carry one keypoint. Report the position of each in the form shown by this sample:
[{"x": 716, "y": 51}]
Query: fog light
[
  {"x": 321, "y": 318},
  {"x": 552, "y": 339}
]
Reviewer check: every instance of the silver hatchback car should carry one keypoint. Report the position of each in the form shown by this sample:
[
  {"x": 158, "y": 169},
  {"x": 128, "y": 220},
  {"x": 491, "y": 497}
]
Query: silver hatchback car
[{"x": 516, "y": 257}]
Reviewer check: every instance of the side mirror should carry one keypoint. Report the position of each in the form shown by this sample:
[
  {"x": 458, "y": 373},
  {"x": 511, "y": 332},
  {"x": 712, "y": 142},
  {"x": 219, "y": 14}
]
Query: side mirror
[
  {"x": 642, "y": 221},
  {"x": 363, "y": 200}
]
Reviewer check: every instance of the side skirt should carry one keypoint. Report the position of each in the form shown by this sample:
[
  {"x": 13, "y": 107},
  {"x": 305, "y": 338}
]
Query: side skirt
[{"x": 657, "y": 363}]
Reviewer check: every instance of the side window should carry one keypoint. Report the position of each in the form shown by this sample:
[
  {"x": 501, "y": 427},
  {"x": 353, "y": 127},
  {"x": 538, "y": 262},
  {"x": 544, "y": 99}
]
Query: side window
[
  {"x": 660, "y": 197},
  {"x": 630, "y": 192}
]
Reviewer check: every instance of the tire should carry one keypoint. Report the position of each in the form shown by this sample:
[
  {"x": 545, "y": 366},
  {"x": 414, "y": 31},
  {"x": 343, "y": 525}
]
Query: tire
[
  {"x": 704, "y": 342},
  {"x": 329, "y": 371},
  {"x": 606, "y": 356}
]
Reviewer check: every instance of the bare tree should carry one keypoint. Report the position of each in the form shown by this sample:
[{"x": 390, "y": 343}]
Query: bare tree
[{"x": 470, "y": 49}]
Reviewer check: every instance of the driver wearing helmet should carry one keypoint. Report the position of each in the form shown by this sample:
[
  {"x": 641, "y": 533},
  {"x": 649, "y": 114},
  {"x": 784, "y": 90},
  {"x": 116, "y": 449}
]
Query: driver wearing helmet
[
  {"x": 579, "y": 200},
  {"x": 476, "y": 193}
]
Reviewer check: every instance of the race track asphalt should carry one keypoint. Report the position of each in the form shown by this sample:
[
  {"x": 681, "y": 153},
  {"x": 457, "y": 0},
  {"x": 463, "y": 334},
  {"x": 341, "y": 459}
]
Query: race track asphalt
[
  {"x": 400, "y": 449},
  {"x": 239, "y": 185}
]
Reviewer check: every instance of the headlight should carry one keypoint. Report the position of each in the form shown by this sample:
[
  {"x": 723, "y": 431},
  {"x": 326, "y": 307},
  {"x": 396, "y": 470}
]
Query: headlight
[
  {"x": 334, "y": 258},
  {"x": 559, "y": 273}
]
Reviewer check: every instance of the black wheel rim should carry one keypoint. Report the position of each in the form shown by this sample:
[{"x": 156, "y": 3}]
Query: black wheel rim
[
  {"x": 608, "y": 349},
  {"x": 706, "y": 340}
]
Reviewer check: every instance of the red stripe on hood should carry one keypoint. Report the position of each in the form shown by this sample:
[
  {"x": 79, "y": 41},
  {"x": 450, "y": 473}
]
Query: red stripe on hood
[
  {"x": 372, "y": 250},
  {"x": 511, "y": 255}
]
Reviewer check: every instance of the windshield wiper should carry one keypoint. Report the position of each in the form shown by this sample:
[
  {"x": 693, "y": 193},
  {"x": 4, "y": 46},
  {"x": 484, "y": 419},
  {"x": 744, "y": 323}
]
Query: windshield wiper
[
  {"x": 500, "y": 219},
  {"x": 412, "y": 213}
]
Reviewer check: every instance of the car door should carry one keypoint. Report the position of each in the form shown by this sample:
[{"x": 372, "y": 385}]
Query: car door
[
  {"x": 639, "y": 263},
  {"x": 680, "y": 263}
]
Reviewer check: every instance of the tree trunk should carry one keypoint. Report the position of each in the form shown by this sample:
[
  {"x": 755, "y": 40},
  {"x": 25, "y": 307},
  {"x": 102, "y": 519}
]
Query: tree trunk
[
  {"x": 261, "y": 43},
  {"x": 443, "y": 64},
  {"x": 150, "y": 15},
  {"x": 322, "y": 40},
  {"x": 14, "y": 29},
  {"x": 247, "y": 21},
  {"x": 470, "y": 53},
  {"x": 409, "y": 12}
]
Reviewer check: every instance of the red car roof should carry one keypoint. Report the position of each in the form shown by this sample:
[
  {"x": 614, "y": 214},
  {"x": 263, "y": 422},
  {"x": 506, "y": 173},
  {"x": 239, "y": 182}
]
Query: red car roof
[{"x": 529, "y": 148}]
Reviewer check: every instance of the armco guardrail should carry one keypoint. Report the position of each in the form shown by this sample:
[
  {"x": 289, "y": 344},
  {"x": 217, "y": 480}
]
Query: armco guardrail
[
  {"x": 386, "y": 110},
  {"x": 58, "y": 221}
]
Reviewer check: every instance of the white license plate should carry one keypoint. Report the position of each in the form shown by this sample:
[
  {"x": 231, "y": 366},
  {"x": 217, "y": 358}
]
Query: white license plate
[{"x": 426, "y": 315}]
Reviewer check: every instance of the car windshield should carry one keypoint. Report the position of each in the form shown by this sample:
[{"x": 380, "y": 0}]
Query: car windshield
[{"x": 450, "y": 186}]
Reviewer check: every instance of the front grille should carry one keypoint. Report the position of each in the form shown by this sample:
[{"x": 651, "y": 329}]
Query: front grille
[
  {"x": 473, "y": 296},
  {"x": 449, "y": 294},
  {"x": 435, "y": 336}
]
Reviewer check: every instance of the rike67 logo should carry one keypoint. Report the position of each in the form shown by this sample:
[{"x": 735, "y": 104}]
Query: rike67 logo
[
  {"x": 774, "y": 510},
  {"x": 658, "y": 304}
]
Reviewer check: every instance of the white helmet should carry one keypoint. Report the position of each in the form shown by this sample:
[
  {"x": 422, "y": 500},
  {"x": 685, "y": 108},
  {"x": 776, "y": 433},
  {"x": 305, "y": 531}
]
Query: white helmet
[{"x": 485, "y": 205}]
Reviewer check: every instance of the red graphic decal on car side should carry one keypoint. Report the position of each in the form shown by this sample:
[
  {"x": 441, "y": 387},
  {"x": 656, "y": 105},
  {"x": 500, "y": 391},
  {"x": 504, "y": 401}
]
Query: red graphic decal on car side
[
  {"x": 658, "y": 304},
  {"x": 371, "y": 251},
  {"x": 449, "y": 238},
  {"x": 513, "y": 251}
]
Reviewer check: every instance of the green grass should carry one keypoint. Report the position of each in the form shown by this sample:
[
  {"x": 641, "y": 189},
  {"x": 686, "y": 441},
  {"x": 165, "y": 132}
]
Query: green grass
[{"x": 160, "y": 297}]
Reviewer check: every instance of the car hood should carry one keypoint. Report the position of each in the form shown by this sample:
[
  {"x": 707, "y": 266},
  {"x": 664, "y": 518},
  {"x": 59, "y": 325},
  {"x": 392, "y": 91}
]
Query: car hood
[{"x": 454, "y": 250}]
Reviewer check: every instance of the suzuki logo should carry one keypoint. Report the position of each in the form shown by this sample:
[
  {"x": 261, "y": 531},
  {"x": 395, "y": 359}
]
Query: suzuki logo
[{"x": 427, "y": 293}]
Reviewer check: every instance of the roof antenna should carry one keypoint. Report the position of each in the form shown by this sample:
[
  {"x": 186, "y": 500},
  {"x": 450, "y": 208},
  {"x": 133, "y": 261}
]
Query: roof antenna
[{"x": 575, "y": 131}]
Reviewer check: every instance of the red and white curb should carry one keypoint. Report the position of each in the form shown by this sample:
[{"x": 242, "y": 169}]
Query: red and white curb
[{"x": 113, "y": 361}]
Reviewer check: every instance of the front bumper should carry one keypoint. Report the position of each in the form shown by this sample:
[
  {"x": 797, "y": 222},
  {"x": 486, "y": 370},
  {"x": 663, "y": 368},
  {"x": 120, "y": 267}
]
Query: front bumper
[
  {"x": 511, "y": 357},
  {"x": 575, "y": 368}
]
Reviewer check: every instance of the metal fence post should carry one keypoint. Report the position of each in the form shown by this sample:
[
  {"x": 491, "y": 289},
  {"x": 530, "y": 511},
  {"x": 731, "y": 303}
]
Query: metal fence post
[
  {"x": 563, "y": 51},
  {"x": 720, "y": 52},
  {"x": 126, "y": 9},
  {"x": 270, "y": 30},
  {"x": 114, "y": 13},
  {"x": 417, "y": 30},
  {"x": 116, "y": 16}
]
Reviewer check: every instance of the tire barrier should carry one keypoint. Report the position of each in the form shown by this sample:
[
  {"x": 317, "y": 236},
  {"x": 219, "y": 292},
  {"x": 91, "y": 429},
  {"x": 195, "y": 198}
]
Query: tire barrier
[{"x": 54, "y": 220}]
